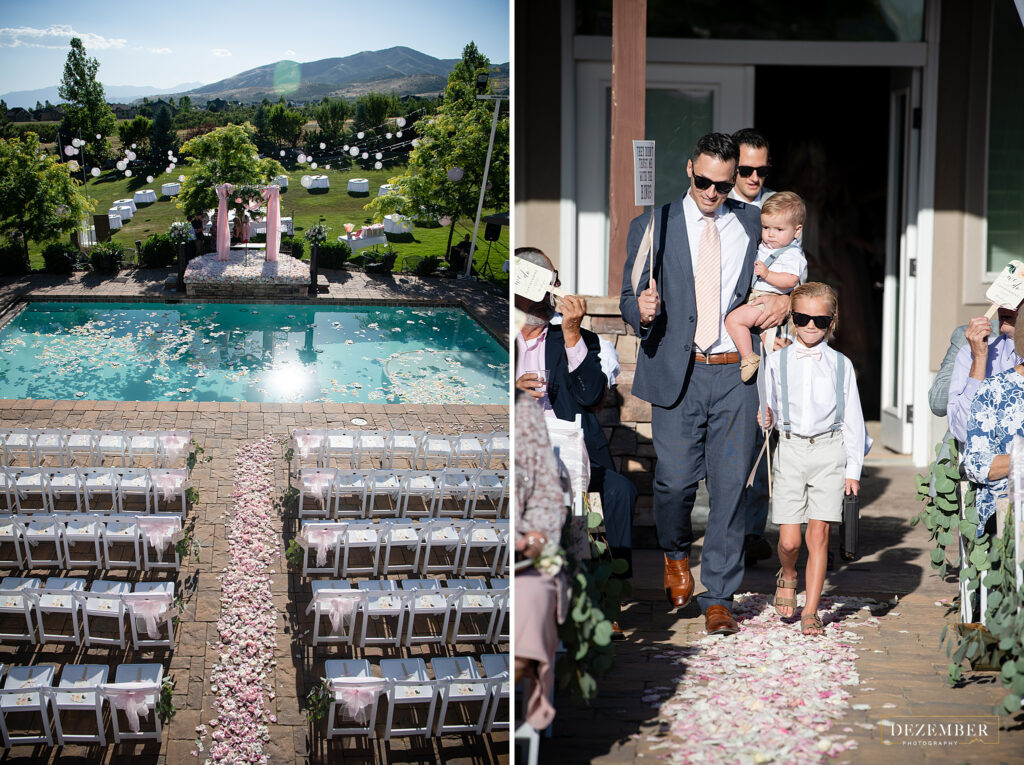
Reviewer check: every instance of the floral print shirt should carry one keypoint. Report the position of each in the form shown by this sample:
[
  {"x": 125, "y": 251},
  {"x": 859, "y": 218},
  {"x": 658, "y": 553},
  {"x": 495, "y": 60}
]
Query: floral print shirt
[{"x": 540, "y": 504}]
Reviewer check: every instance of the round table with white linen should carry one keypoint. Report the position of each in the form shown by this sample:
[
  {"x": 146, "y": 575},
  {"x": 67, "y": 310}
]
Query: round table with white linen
[
  {"x": 385, "y": 189},
  {"x": 358, "y": 184},
  {"x": 124, "y": 211},
  {"x": 128, "y": 202},
  {"x": 319, "y": 182},
  {"x": 170, "y": 189},
  {"x": 142, "y": 196},
  {"x": 282, "y": 181},
  {"x": 397, "y": 224},
  {"x": 115, "y": 221}
]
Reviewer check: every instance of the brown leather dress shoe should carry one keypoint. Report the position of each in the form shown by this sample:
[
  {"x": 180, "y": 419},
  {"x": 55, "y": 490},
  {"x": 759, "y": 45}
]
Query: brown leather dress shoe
[
  {"x": 718, "y": 621},
  {"x": 678, "y": 581}
]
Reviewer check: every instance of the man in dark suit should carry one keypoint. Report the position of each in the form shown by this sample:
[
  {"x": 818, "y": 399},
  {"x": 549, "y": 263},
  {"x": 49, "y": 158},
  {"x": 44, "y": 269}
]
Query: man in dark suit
[
  {"x": 703, "y": 416},
  {"x": 575, "y": 385}
]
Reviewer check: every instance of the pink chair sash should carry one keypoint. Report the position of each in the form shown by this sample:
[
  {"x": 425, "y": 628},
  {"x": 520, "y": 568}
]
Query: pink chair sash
[
  {"x": 159, "y": 532},
  {"x": 306, "y": 443},
  {"x": 223, "y": 240},
  {"x": 152, "y": 610},
  {"x": 167, "y": 484},
  {"x": 340, "y": 609},
  {"x": 273, "y": 196},
  {"x": 321, "y": 540},
  {"x": 317, "y": 484},
  {"x": 133, "y": 699},
  {"x": 356, "y": 698},
  {"x": 173, "y": 446}
]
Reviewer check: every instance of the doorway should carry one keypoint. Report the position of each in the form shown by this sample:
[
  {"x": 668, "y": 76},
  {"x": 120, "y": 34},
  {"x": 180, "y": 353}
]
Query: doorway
[{"x": 828, "y": 128}]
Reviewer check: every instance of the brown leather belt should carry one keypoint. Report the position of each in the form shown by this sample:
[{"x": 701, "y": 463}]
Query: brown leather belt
[{"x": 716, "y": 358}]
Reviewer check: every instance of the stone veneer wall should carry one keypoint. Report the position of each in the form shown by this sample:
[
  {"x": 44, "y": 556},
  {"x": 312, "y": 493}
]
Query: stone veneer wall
[{"x": 626, "y": 419}]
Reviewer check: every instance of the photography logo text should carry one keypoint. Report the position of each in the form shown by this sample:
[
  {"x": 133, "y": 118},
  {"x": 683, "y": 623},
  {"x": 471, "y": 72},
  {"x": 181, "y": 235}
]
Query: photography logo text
[{"x": 940, "y": 731}]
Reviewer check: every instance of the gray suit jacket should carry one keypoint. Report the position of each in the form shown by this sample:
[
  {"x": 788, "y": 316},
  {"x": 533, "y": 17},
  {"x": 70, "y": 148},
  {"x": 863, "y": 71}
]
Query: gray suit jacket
[{"x": 666, "y": 344}]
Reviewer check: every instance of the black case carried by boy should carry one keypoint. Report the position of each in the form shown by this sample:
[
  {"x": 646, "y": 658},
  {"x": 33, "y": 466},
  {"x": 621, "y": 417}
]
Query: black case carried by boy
[{"x": 850, "y": 527}]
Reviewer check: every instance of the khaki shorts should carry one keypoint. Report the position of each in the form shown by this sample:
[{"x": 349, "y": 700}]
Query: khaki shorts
[{"x": 810, "y": 479}]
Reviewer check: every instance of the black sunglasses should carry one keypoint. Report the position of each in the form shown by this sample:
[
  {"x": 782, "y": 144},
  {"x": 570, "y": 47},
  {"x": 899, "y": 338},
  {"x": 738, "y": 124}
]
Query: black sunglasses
[
  {"x": 746, "y": 171},
  {"x": 821, "y": 322},
  {"x": 722, "y": 187}
]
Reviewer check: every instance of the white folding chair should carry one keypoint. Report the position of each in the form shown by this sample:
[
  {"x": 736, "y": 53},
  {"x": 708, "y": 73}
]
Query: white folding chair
[
  {"x": 84, "y": 447},
  {"x": 8, "y": 489},
  {"x": 475, "y": 607},
  {"x": 32, "y": 490},
  {"x": 412, "y": 689},
  {"x": 398, "y": 534},
  {"x": 361, "y": 538},
  {"x": 104, "y": 600},
  {"x": 490, "y": 485},
  {"x": 83, "y": 529},
  {"x": 483, "y": 537},
  {"x": 453, "y": 491},
  {"x": 143, "y": 448},
  {"x": 501, "y": 620},
  {"x": 356, "y": 695},
  {"x": 17, "y": 446},
  {"x": 100, "y": 486},
  {"x": 41, "y": 533},
  {"x": 170, "y": 485},
  {"x": 12, "y": 532},
  {"x": 308, "y": 446},
  {"x": 18, "y": 599},
  {"x": 316, "y": 494},
  {"x": 121, "y": 536},
  {"x": 113, "y": 444},
  {"x": 25, "y": 691},
  {"x": 51, "y": 442},
  {"x": 444, "y": 538},
  {"x": 499, "y": 448},
  {"x": 172, "y": 446},
  {"x": 67, "y": 481},
  {"x": 160, "y": 533},
  {"x": 496, "y": 665},
  {"x": 350, "y": 485},
  {"x": 151, "y": 605},
  {"x": 429, "y": 612},
  {"x": 405, "y": 444},
  {"x": 321, "y": 539},
  {"x": 470, "y": 449},
  {"x": 135, "y": 483},
  {"x": 383, "y": 483},
  {"x": 385, "y": 609},
  {"x": 436, "y": 451},
  {"x": 134, "y": 693},
  {"x": 342, "y": 448},
  {"x": 461, "y": 686},
  {"x": 57, "y": 598},
  {"x": 373, "y": 445},
  {"x": 422, "y": 485},
  {"x": 78, "y": 692},
  {"x": 336, "y": 600}
]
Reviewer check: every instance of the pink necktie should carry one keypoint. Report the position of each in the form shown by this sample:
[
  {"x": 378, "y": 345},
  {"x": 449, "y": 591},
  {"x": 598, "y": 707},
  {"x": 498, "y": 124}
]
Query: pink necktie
[
  {"x": 802, "y": 352},
  {"x": 708, "y": 285}
]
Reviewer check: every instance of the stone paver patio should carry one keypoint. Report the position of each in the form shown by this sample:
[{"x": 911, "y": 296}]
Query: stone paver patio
[{"x": 220, "y": 428}]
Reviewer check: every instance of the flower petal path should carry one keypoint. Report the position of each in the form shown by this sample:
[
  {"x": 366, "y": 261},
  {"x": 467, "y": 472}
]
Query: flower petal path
[{"x": 241, "y": 680}]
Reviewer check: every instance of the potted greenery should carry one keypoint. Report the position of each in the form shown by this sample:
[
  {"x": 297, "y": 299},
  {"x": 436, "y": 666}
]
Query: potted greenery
[
  {"x": 181, "y": 233},
  {"x": 315, "y": 235}
]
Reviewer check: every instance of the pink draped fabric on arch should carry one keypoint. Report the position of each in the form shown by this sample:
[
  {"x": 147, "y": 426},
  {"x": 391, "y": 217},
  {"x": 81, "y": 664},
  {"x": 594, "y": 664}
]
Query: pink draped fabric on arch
[
  {"x": 223, "y": 239},
  {"x": 272, "y": 194}
]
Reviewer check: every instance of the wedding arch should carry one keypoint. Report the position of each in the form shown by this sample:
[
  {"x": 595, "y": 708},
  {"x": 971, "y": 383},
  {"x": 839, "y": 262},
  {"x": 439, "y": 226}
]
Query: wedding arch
[{"x": 251, "y": 197}]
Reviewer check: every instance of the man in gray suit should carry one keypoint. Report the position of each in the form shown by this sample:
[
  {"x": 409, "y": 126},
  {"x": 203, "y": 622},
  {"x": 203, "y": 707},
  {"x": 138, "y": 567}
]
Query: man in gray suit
[{"x": 703, "y": 415}]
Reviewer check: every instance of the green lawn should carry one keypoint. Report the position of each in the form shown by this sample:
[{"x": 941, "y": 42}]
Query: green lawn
[{"x": 334, "y": 207}]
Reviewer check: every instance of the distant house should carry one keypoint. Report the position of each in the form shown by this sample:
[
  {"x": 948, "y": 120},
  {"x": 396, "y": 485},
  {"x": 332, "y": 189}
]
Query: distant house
[
  {"x": 17, "y": 114},
  {"x": 217, "y": 105},
  {"x": 124, "y": 111},
  {"x": 52, "y": 114}
]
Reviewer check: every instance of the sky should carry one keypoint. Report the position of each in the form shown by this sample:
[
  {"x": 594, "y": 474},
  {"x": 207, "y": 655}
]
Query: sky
[{"x": 163, "y": 44}]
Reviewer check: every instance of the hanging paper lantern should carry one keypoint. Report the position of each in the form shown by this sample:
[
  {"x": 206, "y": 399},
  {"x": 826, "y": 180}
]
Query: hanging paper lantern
[
  {"x": 327, "y": 167},
  {"x": 388, "y": 136},
  {"x": 354, "y": 151},
  {"x": 378, "y": 155},
  {"x": 76, "y": 142},
  {"x": 171, "y": 167},
  {"x": 445, "y": 221},
  {"x": 149, "y": 179},
  {"x": 127, "y": 173},
  {"x": 415, "y": 142},
  {"x": 323, "y": 145},
  {"x": 302, "y": 159},
  {"x": 99, "y": 137},
  {"x": 130, "y": 155},
  {"x": 282, "y": 152},
  {"x": 70, "y": 151},
  {"x": 365, "y": 155},
  {"x": 401, "y": 121},
  {"x": 73, "y": 166},
  {"x": 455, "y": 174},
  {"x": 345, "y": 147},
  {"x": 313, "y": 165},
  {"x": 378, "y": 165},
  {"x": 95, "y": 172},
  {"x": 181, "y": 178},
  {"x": 360, "y": 134},
  {"x": 306, "y": 181},
  {"x": 398, "y": 134},
  {"x": 170, "y": 152},
  {"x": 133, "y": 146},
  {"x": 121, "y": 164}
]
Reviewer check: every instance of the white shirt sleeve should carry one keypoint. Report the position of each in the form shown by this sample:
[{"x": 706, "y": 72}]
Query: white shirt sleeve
[
  {"x": 854, "y": 431},
  {"x": 791, "y": 261}
]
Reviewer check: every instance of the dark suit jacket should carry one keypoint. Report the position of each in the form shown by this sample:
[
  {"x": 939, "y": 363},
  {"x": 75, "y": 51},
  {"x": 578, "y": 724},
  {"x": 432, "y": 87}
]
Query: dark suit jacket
[
  {"x": 666, "y": 345},
  {"x": 577, "y": 392}
]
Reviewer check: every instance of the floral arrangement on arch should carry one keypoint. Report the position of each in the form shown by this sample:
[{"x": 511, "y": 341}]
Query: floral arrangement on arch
[
  {"x": 181, "y": 232},
  {"x": 316, "y": 234},
  {"x": 246, "y": 198}
]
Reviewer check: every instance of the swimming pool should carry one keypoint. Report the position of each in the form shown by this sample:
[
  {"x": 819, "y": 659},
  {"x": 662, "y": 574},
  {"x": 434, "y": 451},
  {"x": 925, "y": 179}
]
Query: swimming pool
[{"x": 245, "y": 352}]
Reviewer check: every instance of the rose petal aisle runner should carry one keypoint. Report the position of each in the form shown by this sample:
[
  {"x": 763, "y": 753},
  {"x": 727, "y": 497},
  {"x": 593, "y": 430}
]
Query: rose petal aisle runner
[
  {"x": 247, "y": 623},
  {"x": 766, "y": 694}
]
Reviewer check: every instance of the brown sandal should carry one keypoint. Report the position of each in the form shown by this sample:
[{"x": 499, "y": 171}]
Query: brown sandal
[
  {"x": 810, "y": 624},
  {"x": 785, "y": 602},
  {"x": 748, "y": 367}
]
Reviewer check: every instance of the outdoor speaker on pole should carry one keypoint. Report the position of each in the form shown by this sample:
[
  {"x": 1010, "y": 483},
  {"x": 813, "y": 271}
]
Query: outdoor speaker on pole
[{"x": 492, "y": 232}]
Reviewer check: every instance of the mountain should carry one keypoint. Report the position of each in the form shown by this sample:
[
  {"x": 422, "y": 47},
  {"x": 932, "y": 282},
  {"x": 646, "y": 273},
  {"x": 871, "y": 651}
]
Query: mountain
[
  {"x": 403, "y": 70},
  {"x": 115, "y": 93}
]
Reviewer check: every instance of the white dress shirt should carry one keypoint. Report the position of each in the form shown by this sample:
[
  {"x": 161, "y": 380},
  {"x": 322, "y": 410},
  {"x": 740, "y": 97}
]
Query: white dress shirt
[
  {"x": 812, "y": 399},
  {"x": 734, "y": 242}
]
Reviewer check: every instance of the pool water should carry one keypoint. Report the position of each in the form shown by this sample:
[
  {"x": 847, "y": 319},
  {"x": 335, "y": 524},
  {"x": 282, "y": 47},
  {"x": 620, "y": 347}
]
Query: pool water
[{"x": 239, "y": 352}]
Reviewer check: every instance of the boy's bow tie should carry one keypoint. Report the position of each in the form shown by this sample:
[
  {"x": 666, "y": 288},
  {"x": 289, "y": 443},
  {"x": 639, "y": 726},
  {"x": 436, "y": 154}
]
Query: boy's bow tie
[{"x": 803, "y": 352}]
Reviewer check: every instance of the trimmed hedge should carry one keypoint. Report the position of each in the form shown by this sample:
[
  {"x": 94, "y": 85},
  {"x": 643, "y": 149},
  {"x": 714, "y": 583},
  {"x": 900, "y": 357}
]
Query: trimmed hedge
[
  {"x": 158, "y": 252},
  {"x": 60, "y": 258},
  {"x": 334, "y": 254},
  {"x": 107, "y": 257}
]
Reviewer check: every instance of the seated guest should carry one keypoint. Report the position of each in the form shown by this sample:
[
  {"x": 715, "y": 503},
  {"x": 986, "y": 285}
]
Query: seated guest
[
  {"x": 458, "y": 254},
  {"x": 978, "y": 360},
  {"x": 996, "y": 416},
  {"x": 540, "y": 514}
]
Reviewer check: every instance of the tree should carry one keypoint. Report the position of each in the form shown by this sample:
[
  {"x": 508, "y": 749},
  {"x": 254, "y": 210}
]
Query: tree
[
  {"x": 185, "y": 103},
  {"x": 135, "y": 132},
  {"x": 452, "y": 140},
  {"x": 6, "y": 128},
  {"x": 86, "y": 112},
  {"x": 162, "y": 137},
  {"x": 284, "y": 125},
  {"x": 224, "y": 155},
  {"x": 332, "y": 115},
  {"x": 373, "y": 109},
  {"x": 38, "y": 197}
]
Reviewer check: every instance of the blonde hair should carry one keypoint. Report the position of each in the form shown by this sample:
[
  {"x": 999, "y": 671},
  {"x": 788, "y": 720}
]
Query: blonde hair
[
  {"x": 817, "y": 290},
  {"x": 788, "y": 204}
]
